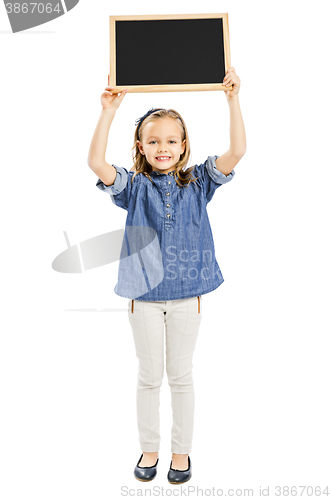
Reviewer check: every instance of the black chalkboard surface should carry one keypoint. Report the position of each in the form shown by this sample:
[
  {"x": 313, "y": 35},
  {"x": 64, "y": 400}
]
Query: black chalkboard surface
[{"x": 164, "y": 53}]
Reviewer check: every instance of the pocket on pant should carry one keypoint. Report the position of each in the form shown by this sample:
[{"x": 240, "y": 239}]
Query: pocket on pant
[
  {"x": 199, "y": 303},
  {"x": 130, "y": 306}
]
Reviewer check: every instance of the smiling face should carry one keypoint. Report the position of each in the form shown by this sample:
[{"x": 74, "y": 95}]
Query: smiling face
[{"x": 162, "y": 144}]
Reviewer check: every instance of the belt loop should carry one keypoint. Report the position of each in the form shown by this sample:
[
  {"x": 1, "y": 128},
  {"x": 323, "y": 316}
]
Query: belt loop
[
  {"x": 132, "y": 306},
  {"x": 198, "y": 303}
]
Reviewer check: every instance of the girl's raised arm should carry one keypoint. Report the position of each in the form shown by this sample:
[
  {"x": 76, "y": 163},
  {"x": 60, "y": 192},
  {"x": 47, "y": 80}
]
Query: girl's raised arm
[
  {"x": 229, "y": 160},
  {"x": 96, "y": 156}
]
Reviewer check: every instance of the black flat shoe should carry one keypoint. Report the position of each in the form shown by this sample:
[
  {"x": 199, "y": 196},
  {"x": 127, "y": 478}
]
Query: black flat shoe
[
  {"x": 145, "y": 473},
  {"x": 176, "y": 476}
]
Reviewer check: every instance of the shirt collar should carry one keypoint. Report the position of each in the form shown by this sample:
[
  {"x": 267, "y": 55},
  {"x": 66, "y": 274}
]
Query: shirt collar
[{"x": 154, "y": 173}]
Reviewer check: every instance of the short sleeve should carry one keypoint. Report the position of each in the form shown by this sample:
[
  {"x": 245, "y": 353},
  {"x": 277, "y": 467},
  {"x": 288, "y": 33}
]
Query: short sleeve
[
  {"x": 209, "y": 177},
  {"x": 120, "y": 190}
]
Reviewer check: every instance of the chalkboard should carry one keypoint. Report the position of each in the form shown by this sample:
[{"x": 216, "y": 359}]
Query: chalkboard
[{"x": 169, "y": 53}]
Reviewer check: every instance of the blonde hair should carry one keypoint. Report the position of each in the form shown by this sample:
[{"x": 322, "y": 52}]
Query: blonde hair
[{"x": 141, "y": 165}]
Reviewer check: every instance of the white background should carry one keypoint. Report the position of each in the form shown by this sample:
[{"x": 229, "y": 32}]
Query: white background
[{"x": 262, "y": 361}]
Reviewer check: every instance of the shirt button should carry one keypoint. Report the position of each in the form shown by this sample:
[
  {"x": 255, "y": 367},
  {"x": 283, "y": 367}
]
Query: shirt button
[
  {"x": 168, "y": 194},
  {"x": 169, "y": 182},
  {"x": 168, "y": 205},
  {"x": 168, "y": 215}
]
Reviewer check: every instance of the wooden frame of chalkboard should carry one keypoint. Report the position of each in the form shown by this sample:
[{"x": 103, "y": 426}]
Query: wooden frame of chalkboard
[{"x": 169, "y": 53}]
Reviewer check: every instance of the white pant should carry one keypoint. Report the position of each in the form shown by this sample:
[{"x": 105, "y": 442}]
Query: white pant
[{"x": 182, "y": 320}]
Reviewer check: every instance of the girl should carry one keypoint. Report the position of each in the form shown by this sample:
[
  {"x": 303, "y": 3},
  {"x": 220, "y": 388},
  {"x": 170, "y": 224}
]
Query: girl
[{"x": 165, "y": 276}]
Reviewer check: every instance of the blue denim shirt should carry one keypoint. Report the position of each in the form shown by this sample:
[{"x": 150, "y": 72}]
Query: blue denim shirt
[{"x": 173, "y": 256}]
